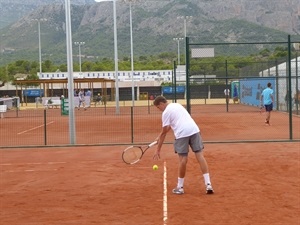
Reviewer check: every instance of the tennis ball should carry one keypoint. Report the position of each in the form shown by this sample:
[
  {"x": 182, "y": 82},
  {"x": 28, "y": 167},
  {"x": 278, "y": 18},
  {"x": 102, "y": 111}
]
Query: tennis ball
[{"x": 155, "y": 167}]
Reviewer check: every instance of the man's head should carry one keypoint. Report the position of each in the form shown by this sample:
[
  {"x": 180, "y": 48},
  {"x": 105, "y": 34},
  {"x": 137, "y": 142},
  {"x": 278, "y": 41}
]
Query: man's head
[
  {"x": 160, "y": 102},
  {"x": 269, "y": 85}
]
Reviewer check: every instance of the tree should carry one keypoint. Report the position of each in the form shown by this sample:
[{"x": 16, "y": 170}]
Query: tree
[{"x": 3, "y": 76}]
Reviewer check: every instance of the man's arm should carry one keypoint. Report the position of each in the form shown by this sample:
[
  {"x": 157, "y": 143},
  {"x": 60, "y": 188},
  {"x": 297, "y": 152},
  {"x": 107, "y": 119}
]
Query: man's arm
[
  {"x": 272, "y": 97},
  {"x": 160, "y": 140}
]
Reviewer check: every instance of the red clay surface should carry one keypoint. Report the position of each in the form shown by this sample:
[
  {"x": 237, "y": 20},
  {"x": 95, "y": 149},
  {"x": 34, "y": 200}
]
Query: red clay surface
[
  {"x": 103, "y": 126},
  {"x": 255, "y": 184}
]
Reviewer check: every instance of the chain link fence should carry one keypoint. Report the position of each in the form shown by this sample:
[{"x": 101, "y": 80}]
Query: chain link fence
[{"x": 241, "y": 70}]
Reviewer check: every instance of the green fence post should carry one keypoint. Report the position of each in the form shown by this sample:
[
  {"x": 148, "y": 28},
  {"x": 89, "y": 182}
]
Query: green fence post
[{"x": 290, "y": 85}]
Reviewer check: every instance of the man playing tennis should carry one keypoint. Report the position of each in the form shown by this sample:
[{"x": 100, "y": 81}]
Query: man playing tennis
[{"x": 187, "y": 134}]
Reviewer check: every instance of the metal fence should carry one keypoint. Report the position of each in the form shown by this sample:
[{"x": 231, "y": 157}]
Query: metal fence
[
  {"x": 234, "y": 119},
  {"x": 246, "y": 76}
]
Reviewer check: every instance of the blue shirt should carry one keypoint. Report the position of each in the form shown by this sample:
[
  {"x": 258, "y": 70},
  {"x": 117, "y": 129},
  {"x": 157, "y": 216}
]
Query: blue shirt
[{"x": 267, "y": 93}]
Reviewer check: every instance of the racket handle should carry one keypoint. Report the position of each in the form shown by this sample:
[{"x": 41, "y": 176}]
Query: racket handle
[{"x": 153, "y": 143}]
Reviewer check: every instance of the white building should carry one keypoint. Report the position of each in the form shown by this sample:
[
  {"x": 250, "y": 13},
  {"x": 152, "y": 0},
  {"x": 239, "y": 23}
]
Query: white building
[
  {"x": 281, "y": 72},
  {"x": 123, "y": 76}
]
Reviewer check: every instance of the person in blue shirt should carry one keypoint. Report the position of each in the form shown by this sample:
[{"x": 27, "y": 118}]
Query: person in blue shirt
[
  {"x": 267, "y": 99},
  {"x": 235, "y": 94},
  {"x": 81, "y": 99}
]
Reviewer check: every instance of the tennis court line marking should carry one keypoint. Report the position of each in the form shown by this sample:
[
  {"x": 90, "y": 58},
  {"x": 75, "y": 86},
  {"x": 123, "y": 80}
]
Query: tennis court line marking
[
  {"x": 22, "y": 171},
  {"x": 44, "y": 163},
  {"x": 165, "y": 197},
  {"x": 34, "y": 128}
]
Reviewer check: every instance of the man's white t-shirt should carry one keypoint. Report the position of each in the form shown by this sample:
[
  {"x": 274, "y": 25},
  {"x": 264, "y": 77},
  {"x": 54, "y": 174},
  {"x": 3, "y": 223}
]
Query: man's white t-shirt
[{"x": 181, "y": 122}]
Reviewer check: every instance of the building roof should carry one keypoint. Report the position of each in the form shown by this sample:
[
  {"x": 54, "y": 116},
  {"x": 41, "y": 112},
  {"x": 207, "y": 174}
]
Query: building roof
[{"x": 63, "y": 81}]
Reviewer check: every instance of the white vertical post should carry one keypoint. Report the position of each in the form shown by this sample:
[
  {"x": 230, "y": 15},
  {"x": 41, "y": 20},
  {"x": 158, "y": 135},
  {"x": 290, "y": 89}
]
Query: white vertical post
[
  {"x": 72, "y": 131},
  {"x": 131, "y": 50},
  {"x": 184, "y": 27},
  {"x": 178, "y": 48},
  {"x": 79, "y": 52},
  {"x": 185, "y": 18},
  {"x": 178, "y": 52},
  {"x": 115, "y": 53},
  {"x": 40, "y": 47},
  {"x": 116, "y": 57}
]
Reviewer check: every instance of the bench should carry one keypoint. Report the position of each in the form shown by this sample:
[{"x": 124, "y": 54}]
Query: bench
[
  {"x": 3, "y": 109},
  {"x": 52, "y": 102}
]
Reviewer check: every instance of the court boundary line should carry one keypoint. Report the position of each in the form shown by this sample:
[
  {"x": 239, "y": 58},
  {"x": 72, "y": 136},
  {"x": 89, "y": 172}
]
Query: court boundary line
[
  {"x": 34, "y": 128},
  {"x": 165, "y": 196}
]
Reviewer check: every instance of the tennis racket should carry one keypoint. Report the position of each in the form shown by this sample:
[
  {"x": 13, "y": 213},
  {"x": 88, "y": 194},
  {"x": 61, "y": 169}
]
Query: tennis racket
[{"x": 133, "y": 154}]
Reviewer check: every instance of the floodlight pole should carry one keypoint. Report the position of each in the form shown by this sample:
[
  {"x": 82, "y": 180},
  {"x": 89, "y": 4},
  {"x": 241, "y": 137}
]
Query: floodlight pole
[
  {"x": 115, "y": 53},
  {"x": 178, "y": 48},
  {"x": 79, "y": 52},
  {"x": 72, "y": 131},
  {"x": 40, "y": 45},
  {"x": 185, "y": 18},
  {"x": 131, "y": 51}
]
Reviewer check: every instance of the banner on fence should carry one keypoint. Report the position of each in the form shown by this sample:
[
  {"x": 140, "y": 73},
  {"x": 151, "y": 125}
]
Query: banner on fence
[
  {"x": 33, "y": 93},
  {"x": 251, "y": 89},
  {"x": 170, "y": 89}
]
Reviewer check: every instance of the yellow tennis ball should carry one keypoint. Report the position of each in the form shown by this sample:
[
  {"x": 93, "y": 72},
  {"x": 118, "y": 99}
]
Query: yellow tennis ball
[{"x": 155, "y": 167}]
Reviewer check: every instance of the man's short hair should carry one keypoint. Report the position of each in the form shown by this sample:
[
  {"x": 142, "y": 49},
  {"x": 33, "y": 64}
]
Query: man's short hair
[
  {"x": 159, "y": 99},
  {"x": 269, "y": 84}
]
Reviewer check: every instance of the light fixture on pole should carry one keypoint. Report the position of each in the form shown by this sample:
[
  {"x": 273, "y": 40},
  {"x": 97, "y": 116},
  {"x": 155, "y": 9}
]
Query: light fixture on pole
[
  {"x": 79, "y": 51},
  {"x": 178, "y": 46},
  {"x": 115, "y": 53},
  {"x": 185, "y": 18},
  {"x": 40, "y": 47}
]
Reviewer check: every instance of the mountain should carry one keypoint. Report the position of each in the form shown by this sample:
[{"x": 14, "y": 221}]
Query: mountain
[
  {"x": 12, "y": 10},
  {"x": 155, "y": 24}
]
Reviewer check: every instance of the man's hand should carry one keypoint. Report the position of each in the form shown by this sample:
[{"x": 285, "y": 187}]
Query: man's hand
[{"x": 156, "y": 155}]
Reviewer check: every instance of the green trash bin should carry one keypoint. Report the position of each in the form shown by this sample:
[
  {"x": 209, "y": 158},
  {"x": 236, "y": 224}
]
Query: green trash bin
[{"x": 64, "y": 106}]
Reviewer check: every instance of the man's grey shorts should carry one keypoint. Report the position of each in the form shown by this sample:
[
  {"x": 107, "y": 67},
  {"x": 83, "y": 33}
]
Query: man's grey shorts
[{"x": 181, "y": 145}]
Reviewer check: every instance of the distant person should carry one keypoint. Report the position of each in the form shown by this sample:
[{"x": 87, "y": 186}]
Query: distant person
[
  {"x": 98, "y": 99},
  {"x": 297, "y": 99},
  {"x": 88, "y": 95},
  {"x": 267, "y": 100},
  {"x": 235, "y": 94},
  {"x": 227, "y": 95},
  {"x": 287, "y": 100},
  {"x": 81, "y": 99}
]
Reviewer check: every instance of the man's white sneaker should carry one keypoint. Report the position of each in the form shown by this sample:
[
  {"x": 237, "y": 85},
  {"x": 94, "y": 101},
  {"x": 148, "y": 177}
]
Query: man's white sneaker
[
  {"x": 178, "y": 191},
  {"x": 209, "y": 189}
]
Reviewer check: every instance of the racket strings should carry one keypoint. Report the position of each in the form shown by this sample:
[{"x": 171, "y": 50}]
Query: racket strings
[{"x": 132, "y": 154}]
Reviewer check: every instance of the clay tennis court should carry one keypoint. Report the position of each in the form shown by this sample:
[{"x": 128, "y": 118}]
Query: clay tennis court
[
  {"x": 255, "y": 182},
  {"x": 103, "y": 126}
]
